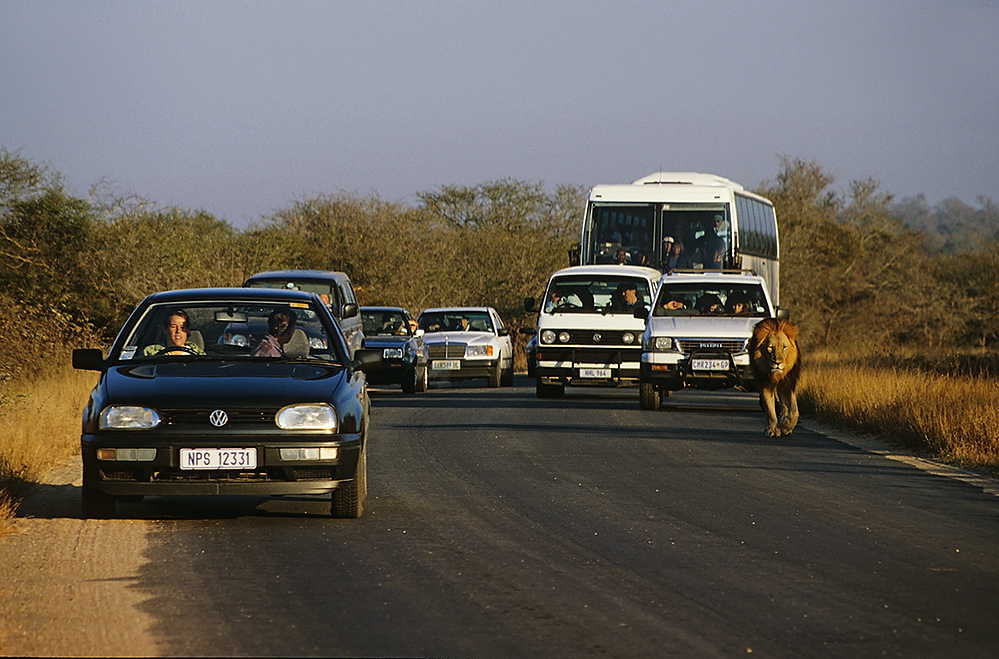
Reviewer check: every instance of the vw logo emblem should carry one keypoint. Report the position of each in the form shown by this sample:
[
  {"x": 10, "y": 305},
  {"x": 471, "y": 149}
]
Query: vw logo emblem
[
  {"x": 596, "y": 338},
  {"x": 218, "y": 418}
]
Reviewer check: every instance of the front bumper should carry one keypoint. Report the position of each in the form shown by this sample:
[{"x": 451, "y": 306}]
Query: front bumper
[
  {"x": 468, "y": 369},
  {"x": 677, "y": 375},
  {"x": 580, "y": 366},
  {"x": 272, "y": 476}
]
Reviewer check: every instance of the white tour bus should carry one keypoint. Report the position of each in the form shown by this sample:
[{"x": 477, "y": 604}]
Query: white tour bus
[{"x": 682, "y": 220}]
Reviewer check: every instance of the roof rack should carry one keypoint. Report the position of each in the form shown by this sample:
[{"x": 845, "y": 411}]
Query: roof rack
[{"x": 702, "y": 271}]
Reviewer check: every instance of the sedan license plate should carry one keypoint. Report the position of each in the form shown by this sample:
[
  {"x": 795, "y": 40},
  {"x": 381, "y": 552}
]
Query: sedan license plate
[
  {"x": 709, "y": 364},
  {"x": 603, "y": 373},
  {"x": 447, "y": 365},
  {"x": 218, "y": 458}
]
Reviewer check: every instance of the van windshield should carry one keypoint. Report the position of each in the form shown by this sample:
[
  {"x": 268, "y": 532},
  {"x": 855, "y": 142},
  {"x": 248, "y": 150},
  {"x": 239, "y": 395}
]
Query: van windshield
[{"x": 606, "y": 294}]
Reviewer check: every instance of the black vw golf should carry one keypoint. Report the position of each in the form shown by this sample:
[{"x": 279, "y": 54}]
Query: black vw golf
[{"x": 226, "y": 391}]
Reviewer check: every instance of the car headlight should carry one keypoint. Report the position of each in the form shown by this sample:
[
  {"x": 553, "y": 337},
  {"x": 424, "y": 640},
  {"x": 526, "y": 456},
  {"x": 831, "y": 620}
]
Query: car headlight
[
  {"x": 628, "y": 338},
  {"x": 392, "y": 353},
  {"x": 306, "y": 417},
  {"x": 564, "y": 337},
  {"x": 548, "y": 336},
  {"x": 129, "y": 417},
  {"x": 479, "y": 351},
  {"x": 317, "y": 343}
]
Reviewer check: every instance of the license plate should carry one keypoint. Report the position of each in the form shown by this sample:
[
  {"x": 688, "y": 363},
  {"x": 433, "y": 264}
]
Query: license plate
[
  {"x": 709, "y": 364},
  {"x": 603, "y": 373},
  {"x": 218, "y": 458},
  {"x": 447, "y": 365}
]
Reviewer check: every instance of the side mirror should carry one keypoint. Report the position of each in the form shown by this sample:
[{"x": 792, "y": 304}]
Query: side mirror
[
  {"x": 367, "y": 359},
  {"x": 529, "y": 305},
  {"x": 88, "y": 359},
  {"x": 783, "y": 314},
  {"x": 642, "y": 313},
  {"x": 420, "y": 332},
  {"x": 504, "y": 331},
  {"x": 528, "y": 331},
  {"x": 350, "y": 310}
]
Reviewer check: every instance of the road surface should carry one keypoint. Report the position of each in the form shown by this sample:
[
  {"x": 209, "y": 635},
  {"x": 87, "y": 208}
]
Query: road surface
[{"x": 500, "y": 525}]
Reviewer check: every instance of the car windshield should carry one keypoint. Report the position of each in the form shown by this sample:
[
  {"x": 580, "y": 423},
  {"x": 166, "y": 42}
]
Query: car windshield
[
  {"x": 579, "y": 294},
  {"x": 384, "y": 322},
  {"x": 455, "y": 321},
  {"x": 711, "y": 300},
  {"x": 325, "y": 290},
  {"x": 213, "y": 330}
]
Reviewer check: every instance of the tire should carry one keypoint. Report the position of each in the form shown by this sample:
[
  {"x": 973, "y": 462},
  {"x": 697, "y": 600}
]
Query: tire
[
  {"x": 348, "y": 500},
  {"x": 549, "y": 390},
  {"x": 409, "y": 381},
  {"x": 507, "y": 378},
  {"x": 98, "y": 505},
  {"x": 422, "y": 379},
  {"x": 496, "y": 376},
  {"x": 648, "y": 396}
]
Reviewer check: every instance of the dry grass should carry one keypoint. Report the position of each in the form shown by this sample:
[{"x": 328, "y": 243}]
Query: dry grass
[
  {"x": 39, "y": 428},
  {"x": 951, "y": 417}
]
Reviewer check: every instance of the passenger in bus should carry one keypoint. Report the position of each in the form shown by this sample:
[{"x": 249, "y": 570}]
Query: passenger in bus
[
  {"x": 677, "y": 256},
  {"x": 621, "y": 257},
  {"x": 713, "y": 254}
]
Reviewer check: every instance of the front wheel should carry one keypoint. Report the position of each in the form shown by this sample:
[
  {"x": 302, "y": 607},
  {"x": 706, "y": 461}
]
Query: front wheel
[
  {"x": 348, "y": 500},
  {"x": 496, "y": 376},
  {"x": 422, "y": 379},
  {"x": 648, "y": 396}
]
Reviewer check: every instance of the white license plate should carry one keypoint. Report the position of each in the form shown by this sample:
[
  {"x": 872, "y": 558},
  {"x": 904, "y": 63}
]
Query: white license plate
[
  {"x": 595, "y": 373},
  {"x": 709, "y": 364},
  {"x": 447, "y": 365},
  {"x": 218, "y": 458}
]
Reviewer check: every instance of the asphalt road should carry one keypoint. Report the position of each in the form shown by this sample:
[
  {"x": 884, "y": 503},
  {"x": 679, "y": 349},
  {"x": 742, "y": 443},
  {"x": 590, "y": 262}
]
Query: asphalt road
[{"x": 499, "y": 525}]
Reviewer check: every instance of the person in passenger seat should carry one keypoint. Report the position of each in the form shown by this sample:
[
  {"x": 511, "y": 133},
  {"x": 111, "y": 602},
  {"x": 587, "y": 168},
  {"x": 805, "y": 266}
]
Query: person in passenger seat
[{"x": 280, "y": 329}]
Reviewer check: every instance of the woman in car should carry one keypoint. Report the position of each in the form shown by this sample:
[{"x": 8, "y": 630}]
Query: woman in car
[{"x": 176, "y": 333}]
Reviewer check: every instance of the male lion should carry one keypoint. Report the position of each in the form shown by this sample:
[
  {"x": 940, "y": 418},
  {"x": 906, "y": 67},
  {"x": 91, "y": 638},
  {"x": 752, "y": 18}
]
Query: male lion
[{"x": 773, "y": 353}]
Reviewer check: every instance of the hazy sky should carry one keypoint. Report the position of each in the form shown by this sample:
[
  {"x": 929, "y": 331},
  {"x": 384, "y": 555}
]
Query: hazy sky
[{"x": 240, "y": 108}]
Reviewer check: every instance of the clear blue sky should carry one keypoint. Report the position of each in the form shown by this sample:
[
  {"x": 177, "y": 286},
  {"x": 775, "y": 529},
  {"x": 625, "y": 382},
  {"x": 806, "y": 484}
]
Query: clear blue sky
[{"x": 240, "y": 108}]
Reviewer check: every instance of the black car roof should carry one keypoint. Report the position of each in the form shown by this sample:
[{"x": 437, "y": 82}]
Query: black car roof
[{"x": 223, "y": 294}]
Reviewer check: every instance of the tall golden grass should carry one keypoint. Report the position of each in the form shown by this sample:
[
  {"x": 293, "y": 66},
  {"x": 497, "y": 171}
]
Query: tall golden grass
[
  {"x": 953, "y": 417},
  {"x": 39, "y": 429}
]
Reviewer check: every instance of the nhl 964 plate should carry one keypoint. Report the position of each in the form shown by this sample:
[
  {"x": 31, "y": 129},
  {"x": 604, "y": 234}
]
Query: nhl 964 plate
[{"x": 218, "y": 458}]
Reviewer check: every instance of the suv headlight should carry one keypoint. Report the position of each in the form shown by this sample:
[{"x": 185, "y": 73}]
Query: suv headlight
[
  {"x": 657, "y": 344},
  {"x": 548, "y": 336},
  {"x": 479, "y": 351}
]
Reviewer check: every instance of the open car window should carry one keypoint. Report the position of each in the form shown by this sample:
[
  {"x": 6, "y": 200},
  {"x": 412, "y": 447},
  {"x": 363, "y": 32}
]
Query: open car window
[{"x": 220, "y": 330}]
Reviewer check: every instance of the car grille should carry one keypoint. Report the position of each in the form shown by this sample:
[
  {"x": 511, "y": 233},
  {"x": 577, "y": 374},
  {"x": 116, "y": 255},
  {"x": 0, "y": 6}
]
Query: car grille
[
  {"x": 589, "y": 356},
  {"x": 723, "y": 345},
  {"x": 238, "y": 417},
  {"x": 599, "y": 338},
  {"x": 446, "y": 351}
]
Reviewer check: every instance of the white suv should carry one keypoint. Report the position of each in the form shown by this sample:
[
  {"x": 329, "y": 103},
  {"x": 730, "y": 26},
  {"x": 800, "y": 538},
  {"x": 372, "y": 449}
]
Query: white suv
[
  {"x": 697, "y": 333},
  {"x": 587, "y": 329}
]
